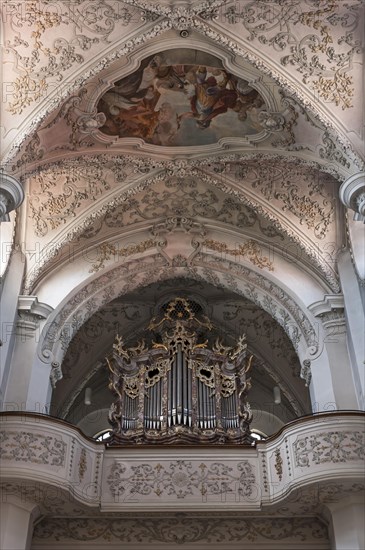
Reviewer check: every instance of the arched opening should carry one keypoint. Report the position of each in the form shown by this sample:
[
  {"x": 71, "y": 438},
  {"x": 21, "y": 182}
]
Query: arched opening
[{"x": 275, "y": 362}]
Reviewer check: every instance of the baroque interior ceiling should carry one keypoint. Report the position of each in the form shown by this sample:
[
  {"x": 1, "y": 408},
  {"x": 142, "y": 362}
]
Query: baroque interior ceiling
[
  {"x": 193, "y": 149},
  {"x": 193, "y": 145}
]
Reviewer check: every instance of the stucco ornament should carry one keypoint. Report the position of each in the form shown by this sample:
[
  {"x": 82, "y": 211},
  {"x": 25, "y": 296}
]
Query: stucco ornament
[
  {"x": 33, "y": 447},
  {"x": 182, "y": 478}
]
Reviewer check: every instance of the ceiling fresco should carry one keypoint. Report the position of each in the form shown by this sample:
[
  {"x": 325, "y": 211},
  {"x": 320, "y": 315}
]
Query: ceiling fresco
[{"x": 170, "y": 102}]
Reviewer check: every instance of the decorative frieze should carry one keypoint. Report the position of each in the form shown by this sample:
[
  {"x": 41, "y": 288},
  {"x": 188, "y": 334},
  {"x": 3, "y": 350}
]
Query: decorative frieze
[
  {"x": 183, "y": 530},
  {"x": 181, "y": 479}
]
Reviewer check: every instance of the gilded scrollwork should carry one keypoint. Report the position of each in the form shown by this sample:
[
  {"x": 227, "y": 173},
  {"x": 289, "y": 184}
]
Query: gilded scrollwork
[
  {"x": 39, "y": 65},
  {"x": 106, "y": 251},
  {"x": 82, "y": 464},
  {"x": 49, "y": 209},
  {"x": 205, "y": 373},
  {"x": 278, "y": 464},
  {"x": 315, "y": 208},
  {"x": 154, "y": 373},
  {"x": 250, "y": 250},
  {"x": 314, "y": 55},
  {"x": 228, "y": 385},
  {"x": 131, "y": 386}
]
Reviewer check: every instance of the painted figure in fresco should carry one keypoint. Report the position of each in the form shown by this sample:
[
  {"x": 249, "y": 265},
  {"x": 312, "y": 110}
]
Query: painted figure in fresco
[
  {"x": 131, "y": 106},
  {"x": 213, "y": 95}
]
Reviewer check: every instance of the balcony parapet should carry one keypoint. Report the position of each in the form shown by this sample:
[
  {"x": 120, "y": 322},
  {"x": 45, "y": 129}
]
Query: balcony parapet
[{"x": 323, "y": 448}]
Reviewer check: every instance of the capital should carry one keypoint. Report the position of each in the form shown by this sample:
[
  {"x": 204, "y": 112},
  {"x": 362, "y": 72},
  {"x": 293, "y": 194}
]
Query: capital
[
  {"x": 352, "y": 194},
  {"x": 11, "y": 195}
]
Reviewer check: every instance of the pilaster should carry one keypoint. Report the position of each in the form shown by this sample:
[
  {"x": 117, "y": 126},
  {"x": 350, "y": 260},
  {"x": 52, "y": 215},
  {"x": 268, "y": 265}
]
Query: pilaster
[
  {"x": 330, "y": 312},
  {"x": 32, "y": 315},
  {"x": 17, "y": 521},
  {"x": 347, "y": 523}
]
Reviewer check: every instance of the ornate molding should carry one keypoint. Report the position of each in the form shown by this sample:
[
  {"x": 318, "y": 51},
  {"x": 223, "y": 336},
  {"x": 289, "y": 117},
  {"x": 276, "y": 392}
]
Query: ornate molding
[
  {"x": 11, "y": 195},
  {"x": 329, "y": 303},
  {"x": 31, "y": 312},
  {"x": 184, "y": 530},
  {"x": 352, "y": 195},
  {"x": 331, "y": 311},
  {"x": 106, "y": 251},
  {"x": 138, "y": 273}
]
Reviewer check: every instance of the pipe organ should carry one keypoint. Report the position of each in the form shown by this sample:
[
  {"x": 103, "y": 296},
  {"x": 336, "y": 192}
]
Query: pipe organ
[{"x": 179, "y": 389}]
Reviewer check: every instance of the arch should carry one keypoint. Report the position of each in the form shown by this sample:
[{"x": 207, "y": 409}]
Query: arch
[
  {"x": 158, "y": 171},
  {"x": 78, "y": 307}
]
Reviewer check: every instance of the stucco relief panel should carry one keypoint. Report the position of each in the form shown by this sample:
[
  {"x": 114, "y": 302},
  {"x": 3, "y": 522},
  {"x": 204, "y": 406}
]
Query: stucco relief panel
[
  {"x": 320, "y": 41},
  {"x": 184, "y": 480},
  {"x": 184, "y": 530},
  {"x": 33, "y": 447},
  {"x": 329, "y": 447},
  {"x": 46, "y": 41}
]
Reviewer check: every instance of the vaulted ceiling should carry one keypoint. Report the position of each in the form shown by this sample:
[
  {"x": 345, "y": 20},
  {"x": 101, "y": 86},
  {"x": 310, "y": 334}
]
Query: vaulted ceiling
[{"x": 205, "y": 136}]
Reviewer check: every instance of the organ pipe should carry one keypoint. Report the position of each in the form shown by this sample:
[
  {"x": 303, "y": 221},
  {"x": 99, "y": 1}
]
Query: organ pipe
[{"x": 180, "y": 387}]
